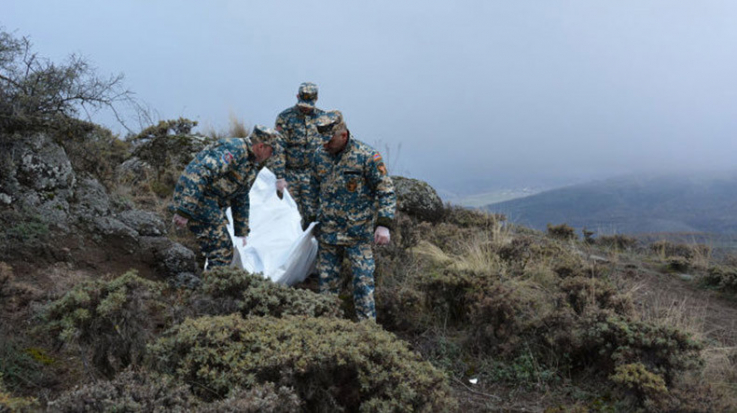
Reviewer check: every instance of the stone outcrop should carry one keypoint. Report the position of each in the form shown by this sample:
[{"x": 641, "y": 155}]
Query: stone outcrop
[
  {"x": 144, "y": 222},
  {"x": 418, "y": 199},
  {"x": 38, "y": 184}
]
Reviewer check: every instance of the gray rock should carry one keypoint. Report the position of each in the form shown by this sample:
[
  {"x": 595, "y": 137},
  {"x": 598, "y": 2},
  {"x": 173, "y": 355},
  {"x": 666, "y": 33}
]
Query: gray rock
[
  {"x": 176, "y": 259},
  {"x": 91, "y": 199},
  {"x": 43, "y": 165},
  {"x": 133, "y": 170},
  {"x": 115, "y": 234},
  {"x": 417, "y": 198},
  {"x": 146, "y": 223}
]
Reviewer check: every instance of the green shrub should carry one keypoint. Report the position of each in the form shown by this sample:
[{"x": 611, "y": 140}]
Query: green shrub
[
  {"x": 112, "y": 318},
  {"x": 130, "y": 391},
  {"x": 471, "y": 218},
  {"x": 332, "y": 364},
  {"x": 23, "y": 234},
  {"x": 666, "y": 249},
  {"x": 93, "y": 149},
  {"x": 592, "y": 294},
  {"x": 604, "y": 342},
  {"x": 588, "y": 236},
  {"x": 678, "y": 264},
  {"x": 18, "y": 367},
  {"x": 562, "y": 232},
  {"x": 722, "y": 278},
  {"x": 446, "y": 294},
  {"x": 500, "y": 315},
  {"x": 263, "y": 398},
  {"x": 230, "y": 289},
  {"x": 523, "y": 369},
  {"x": 6, "y": 278},
  {"x": 520, "y": 251},
  {"x": 617, "y": 241},
  {"x": 9, "y": 403},
  {"x": 647, "y": 388}
]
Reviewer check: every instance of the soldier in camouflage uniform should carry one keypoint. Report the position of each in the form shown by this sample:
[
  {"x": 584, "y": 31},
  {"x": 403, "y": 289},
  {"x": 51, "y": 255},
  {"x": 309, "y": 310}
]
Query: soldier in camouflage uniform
[
  {"x": 219, "y": 177},
  {"x": 300, "y": 141},
  {"x": 352, "y": 197}
]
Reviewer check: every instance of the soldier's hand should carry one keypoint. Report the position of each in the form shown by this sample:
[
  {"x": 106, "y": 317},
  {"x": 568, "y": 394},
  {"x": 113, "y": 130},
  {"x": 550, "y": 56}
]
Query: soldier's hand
[
  {"x": 382, "y": 236},
  {"x": 244, "y": 241},
  {"x": 281, "y": 184},
  {"x": 179, "y": 221}
]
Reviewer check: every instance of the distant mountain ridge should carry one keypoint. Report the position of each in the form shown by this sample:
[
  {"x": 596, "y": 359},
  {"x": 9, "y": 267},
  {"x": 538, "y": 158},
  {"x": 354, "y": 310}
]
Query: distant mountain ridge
[{"x": 698, "y": 202}]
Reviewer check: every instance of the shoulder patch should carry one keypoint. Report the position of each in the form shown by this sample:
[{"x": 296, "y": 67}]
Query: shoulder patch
[
  {"x": 377, "y": 157},
  {"x": 227, "y": 157}
]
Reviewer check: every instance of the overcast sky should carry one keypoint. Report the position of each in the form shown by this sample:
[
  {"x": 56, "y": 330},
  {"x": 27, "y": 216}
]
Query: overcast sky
[{"x": 489, "y": 93}]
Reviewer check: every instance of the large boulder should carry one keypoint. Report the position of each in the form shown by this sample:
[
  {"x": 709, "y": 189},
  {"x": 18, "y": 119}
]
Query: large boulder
[
  {"x": 115, "y": 235},
  {"x": 90, "y": 199},
  {"x": 146, "y": 223},
  {"x": 37, "y": 177},
  {"x": 418, "y": 198},
  {"x": 43, "y": 165}
]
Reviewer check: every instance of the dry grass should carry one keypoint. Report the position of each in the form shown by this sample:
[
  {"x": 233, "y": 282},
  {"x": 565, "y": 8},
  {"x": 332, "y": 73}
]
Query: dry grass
[
  {"x": 238, "y": 128},
  {"x": 479, "y": 255},
  {"x": 431, "y": 252},
  {"x": 666, "y": 302}
]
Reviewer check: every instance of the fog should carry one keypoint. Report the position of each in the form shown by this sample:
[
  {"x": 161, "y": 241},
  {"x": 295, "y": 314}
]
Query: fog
[{"x": 467, "y": 95}]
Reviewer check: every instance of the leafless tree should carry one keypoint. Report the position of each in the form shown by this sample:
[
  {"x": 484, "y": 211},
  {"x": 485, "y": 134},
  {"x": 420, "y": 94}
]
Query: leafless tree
[{"x": 35, "y": 92}]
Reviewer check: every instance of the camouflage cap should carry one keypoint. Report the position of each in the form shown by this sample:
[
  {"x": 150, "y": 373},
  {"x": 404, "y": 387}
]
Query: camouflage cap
[
  {"x": 328, "y": 122},
  {"x": 307, "y": 94},
  {"x": 263, "y": 134}
]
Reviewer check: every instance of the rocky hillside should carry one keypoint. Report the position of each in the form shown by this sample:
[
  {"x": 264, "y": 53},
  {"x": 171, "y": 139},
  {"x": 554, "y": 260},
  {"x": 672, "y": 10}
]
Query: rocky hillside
[{"x": 102, "y": 308}]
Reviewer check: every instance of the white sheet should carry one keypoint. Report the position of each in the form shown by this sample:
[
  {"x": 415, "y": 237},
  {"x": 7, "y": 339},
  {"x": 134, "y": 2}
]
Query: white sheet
[{"x": 276, "y": 246}]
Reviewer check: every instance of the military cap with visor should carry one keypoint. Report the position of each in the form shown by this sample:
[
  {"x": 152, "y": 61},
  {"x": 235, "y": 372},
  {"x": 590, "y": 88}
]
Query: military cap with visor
[
  {"x": 266, "y": 135},
  {"x": 328, "y": 122},
  {"x": 307, "y": 94}
]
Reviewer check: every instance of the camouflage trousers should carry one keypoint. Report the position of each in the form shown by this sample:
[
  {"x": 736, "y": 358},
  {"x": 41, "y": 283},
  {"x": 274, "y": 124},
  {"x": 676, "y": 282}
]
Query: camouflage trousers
[
  {"x": 299, "y": 184},
  {"x": 329, "y": 260},
  {"x": 214, "y": 241}
]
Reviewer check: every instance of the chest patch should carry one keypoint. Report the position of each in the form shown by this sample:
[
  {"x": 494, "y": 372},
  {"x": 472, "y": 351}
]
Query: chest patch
[{"x": 351, "y": 185}]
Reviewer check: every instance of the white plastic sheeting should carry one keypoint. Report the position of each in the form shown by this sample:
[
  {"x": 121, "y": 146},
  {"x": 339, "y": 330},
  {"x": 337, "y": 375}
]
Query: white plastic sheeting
[{"x": 276, "y": 246}]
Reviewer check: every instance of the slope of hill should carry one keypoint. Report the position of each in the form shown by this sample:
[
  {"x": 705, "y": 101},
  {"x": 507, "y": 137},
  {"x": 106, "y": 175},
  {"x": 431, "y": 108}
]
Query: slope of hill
[{"x": 635, "y": 204}]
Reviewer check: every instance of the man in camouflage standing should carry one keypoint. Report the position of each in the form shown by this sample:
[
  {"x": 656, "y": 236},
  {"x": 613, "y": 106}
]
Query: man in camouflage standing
[
  {"x": 220, "y": 176},
  {"x": 300, "y": 141},
  {"x": 352, "y": 197}
]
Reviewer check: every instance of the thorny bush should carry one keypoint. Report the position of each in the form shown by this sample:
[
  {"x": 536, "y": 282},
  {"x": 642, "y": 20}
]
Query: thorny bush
[
  {"x": 333, "y": 364},
  {"x": 112, "y": 318},
  {"x": 228, "y": 290}
]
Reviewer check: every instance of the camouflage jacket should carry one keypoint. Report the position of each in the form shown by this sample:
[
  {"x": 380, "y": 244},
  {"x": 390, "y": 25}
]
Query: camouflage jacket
[
  {"x": 300, "y": 137},
  {"x": 350, "y": 193},
  {"x": 220, "y": 176}
]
